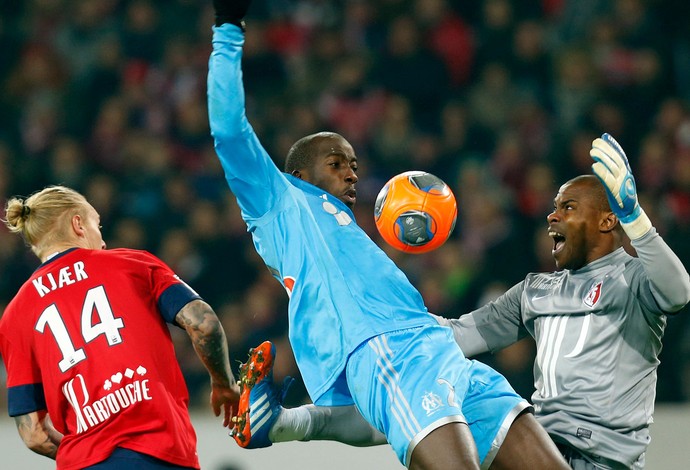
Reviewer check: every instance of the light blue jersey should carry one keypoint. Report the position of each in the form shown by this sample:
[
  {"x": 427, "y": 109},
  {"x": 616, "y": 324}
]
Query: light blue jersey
[{"x": 343, "y": 288}]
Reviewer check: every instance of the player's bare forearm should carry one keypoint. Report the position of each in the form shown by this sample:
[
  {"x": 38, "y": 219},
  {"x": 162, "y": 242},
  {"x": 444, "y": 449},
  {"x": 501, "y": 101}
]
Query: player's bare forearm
[
  {"x": 38, "y": 433},
  {"x": 208, "y": 338}
]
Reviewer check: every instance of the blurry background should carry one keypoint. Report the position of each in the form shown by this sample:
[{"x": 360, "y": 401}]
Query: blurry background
[{"x": 500, "y": 98}]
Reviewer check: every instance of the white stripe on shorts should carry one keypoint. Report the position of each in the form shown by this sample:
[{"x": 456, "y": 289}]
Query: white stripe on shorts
[{"x": 389, "y": 377}]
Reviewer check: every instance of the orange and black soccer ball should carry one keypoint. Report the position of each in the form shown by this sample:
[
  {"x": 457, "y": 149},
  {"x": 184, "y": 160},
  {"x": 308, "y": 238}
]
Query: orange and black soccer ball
[{"x": 415, "y": 212}]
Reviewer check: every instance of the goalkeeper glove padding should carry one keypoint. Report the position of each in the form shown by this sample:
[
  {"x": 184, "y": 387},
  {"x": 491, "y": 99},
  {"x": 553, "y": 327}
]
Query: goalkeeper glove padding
[{"x": 613, "y": 170}]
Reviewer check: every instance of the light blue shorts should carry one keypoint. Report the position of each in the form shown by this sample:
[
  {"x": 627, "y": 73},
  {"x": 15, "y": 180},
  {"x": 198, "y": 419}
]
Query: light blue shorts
[{"x": 409, "y": 382}]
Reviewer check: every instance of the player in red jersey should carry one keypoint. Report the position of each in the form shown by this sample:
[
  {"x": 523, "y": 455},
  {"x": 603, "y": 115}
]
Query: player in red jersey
[{"x": 92, "y": 376}]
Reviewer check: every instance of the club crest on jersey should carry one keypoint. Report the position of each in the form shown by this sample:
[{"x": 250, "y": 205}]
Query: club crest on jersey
[
  {"x": 289, "y": 283},
  {"x": 431, "y": 403},
  {"x": 593, "y": 295}
]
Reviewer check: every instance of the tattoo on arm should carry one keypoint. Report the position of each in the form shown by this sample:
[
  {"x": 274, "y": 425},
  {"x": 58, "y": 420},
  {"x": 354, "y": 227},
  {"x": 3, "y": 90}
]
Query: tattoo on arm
[
  {"x": 208, "y": 338},
  {"x": 38, "y": 433}
]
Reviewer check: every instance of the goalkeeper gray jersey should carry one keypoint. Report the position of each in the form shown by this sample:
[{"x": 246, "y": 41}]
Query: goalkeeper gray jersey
[{"x": 598, "y": 332}]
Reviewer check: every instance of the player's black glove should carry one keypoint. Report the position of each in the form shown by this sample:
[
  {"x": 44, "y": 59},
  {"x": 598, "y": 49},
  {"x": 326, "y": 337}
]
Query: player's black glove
[{"x": 231, "y": 11}]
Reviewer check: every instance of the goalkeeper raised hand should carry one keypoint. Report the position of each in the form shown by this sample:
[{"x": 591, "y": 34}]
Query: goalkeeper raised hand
[
  {"x": 231, "y": 11},
  {"x": 612, "y": 168}
]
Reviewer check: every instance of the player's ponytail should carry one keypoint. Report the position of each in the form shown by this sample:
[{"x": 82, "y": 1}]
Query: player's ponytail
[
  {"x": 15, "y": 214},
  {"x": 39, "y": 218}
]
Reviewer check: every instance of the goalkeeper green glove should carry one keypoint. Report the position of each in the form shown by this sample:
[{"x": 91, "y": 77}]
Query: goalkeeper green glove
[
  {"x": 613, "y": 170},
  {"x": 231, "y": 11}
]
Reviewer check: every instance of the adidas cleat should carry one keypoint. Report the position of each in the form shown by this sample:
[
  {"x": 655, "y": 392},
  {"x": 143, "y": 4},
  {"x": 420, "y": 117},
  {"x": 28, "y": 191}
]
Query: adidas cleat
[{"x": 260, "y": 402}]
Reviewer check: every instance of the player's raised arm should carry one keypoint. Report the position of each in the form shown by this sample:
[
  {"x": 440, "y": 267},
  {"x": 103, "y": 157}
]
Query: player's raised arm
[
  {"x": 250, "y": 172},
  {"x": 670, "y": 280},
  {"x": 613, "y": 170}
]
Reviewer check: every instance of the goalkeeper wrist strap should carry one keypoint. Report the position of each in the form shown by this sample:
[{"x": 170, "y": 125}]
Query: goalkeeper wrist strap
[
  {"x": 222, "y": 19},
  {"x": 639, "y": 227}
]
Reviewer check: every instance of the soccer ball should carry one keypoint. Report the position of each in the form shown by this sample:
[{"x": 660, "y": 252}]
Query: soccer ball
[{"x": 415, "y": 212}]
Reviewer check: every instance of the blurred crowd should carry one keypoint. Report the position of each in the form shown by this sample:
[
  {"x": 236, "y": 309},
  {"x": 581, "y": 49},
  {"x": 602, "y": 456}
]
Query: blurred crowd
[{"x": 500, "y": 98}]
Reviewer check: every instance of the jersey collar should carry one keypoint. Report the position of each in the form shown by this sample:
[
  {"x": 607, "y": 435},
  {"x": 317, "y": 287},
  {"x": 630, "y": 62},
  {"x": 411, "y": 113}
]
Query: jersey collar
[
  {"x": 615, "y": 257},
  {"x": 316, "y": 191}
]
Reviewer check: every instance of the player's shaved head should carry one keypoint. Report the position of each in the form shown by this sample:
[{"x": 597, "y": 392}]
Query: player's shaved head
[
  {"x": 301, "y": 154},
  {"x": 594, "y": 190}
]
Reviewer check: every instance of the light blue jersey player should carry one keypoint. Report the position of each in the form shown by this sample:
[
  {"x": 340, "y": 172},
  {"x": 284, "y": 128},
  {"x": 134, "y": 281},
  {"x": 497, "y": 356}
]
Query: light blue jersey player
[{"x": 359, "y": 330}]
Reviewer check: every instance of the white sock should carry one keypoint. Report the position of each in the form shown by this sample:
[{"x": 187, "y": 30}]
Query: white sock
[
  {"x": 293, "y": 424},
  {"x": 340, "y": 423}
]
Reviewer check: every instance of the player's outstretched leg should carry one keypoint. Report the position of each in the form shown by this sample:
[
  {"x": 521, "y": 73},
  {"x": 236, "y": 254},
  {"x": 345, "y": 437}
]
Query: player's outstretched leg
[{"x": 260, "y": 402}]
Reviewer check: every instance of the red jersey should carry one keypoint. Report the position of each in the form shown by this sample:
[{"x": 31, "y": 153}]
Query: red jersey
[{"x": 86, "y": 338}]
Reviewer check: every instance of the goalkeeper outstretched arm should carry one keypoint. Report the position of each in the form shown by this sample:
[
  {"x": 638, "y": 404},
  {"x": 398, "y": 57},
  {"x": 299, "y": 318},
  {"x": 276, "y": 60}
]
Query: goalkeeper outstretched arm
[
  {"x": 670, "y": 280},
  {"x": 612, "y": 168}
]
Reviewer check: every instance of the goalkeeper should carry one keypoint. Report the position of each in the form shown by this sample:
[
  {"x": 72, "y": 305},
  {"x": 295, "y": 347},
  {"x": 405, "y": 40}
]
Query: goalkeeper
[{"x": 598, "y": 324}]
